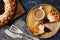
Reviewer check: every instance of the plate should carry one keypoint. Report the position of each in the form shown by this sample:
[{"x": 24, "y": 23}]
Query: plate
[{"x": 53, "y": 26}]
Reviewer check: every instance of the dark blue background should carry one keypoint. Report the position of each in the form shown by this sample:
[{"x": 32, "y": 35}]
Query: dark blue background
[{"x": 28, "y": 5}]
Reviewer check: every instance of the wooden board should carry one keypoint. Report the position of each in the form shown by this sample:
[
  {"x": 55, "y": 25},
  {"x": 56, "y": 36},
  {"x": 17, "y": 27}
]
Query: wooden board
[{"x": 20, "y": 10}]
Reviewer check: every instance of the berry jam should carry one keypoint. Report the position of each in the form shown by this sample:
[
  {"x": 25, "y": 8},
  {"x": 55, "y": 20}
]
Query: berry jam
[{"x": 1, "y": 7}]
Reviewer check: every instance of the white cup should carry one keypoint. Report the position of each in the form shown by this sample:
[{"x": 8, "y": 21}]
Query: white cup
[{"x": 43, "y": 14}]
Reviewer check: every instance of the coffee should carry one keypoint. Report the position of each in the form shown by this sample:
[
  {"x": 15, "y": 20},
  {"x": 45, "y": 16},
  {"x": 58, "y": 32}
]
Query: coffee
[{"x": 38, "y": 14}]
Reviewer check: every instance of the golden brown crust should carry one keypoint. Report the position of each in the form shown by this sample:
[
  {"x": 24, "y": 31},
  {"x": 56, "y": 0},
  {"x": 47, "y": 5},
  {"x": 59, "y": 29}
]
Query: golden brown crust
[
  {"x": 9, "y": 11},
  {"x": 53, "y": 15},
  {"x": 51, "y": 12}
]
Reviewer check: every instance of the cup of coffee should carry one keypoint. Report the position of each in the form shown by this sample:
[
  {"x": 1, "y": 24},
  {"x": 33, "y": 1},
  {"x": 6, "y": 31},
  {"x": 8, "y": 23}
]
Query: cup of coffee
[{"x": 39, "y": 13}]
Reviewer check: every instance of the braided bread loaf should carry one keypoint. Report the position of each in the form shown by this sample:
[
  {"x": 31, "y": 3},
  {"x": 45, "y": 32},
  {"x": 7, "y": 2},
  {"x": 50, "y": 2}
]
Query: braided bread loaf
[{"x": 9, "y": 8}]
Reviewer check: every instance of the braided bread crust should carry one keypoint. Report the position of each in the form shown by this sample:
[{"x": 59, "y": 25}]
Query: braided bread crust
[{"x": 10, "y": 6}]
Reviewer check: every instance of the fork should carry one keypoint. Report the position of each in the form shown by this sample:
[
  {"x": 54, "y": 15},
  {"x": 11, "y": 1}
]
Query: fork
[
  {"x": 16, "y": 30},
  {"x": 13, "y": 35}
]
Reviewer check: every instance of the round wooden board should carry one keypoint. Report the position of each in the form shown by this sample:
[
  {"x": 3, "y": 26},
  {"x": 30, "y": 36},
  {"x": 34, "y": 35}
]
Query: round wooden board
[{"x": 53, "y": 26}]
